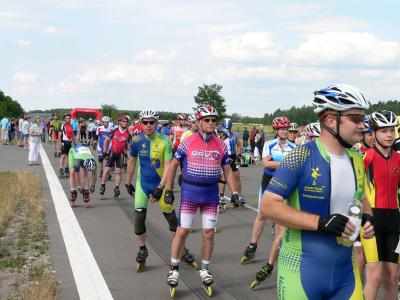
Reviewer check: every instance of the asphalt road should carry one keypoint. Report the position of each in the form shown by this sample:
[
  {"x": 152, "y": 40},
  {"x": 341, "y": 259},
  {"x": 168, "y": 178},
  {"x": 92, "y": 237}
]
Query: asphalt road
[{"x": 108, "y": 228}]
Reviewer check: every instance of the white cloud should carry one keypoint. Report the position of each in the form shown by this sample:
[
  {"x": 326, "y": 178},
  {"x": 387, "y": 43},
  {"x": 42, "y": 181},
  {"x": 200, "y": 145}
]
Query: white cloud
[
  {"x": 296, "y": 10},
  {"x": 187, "y": 78},
  {"x": 23, "y": 43},
  {"x": 345, "y": 48},
  {"x": 53, "y": 30},
  {"x": 25, "y": 77},
  {"x": 276, "y": 73},
  {"x": 325, "y": 24},
  {"x": 151, "y": 55},
  {"x": 16, "y": 19},
  {"x": 219, "y": 28},
  {"x": 249, "y": 46}
]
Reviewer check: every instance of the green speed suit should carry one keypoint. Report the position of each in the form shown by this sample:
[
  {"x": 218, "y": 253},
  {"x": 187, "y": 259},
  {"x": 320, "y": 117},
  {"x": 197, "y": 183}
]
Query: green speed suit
[
  {"x": 152, "y": 154},
  {"x": 77, "y": 155}
]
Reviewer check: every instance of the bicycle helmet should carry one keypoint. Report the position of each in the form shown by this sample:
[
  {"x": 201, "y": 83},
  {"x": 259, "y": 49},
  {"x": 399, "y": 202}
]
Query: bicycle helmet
[
  {"x": 89, "y": 164},
  {"x": 223, "y": 130},
  {"x": 293, "y": 127},
  {"x": 227, "y": 123},
  {"x": 280, "y": 122},
  {"x": 181, "y": 117},
  {"x": 339, "y": 97},
  {"x": 192, "y": 118},
  {"x": 206, "y": 110},
  {"x": 313, "y": 129},
  {"x": 366, "y": 128},
  {"x": 66, "y": 115},
  {"x": 105, "y": 119},
  {"x": 149, "y": 114},
  {"x": 382, "y": 119}
]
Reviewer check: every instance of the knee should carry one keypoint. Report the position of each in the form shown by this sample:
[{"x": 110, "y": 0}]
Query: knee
[
  {"x": 374, "y": 276},
  {"x": 391, "y": 278},
  {"x": 182, "y": 233},
  {"x": 208, "y": 234},
  {"x": 140, "y": 219},
  {"x": 172, "y": 220},
  {"x": 260, "y": 218}
]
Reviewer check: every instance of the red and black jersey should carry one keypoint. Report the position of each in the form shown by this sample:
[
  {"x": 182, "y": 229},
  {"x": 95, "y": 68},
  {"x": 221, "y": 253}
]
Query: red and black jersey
[
  {"x": 67, "y": 132},
  {"x": 383, "y": 178},
  {"x": 119, "y": 140}
]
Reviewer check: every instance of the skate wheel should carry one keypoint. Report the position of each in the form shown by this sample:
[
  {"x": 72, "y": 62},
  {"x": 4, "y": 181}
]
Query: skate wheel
[
  {"x": 244, "y": 260},
  {"x": 172, "y": 291},
  {"x": 253, "y": 284},
  {"x": 208, "y": 289},
  {"x": 195, "y": 265},
  {"x": 139, "y": 268}
]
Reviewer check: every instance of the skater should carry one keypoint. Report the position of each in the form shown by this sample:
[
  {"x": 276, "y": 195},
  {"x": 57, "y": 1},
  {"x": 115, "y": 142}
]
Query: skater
[
  {"x": 119, "y": 139},
  {"x": 81, "y": 158},
  {"x": 201, "y": 174}
]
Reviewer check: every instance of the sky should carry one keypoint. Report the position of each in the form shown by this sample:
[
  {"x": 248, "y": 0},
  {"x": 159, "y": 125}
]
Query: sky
[{"x": 155, "y": 54}]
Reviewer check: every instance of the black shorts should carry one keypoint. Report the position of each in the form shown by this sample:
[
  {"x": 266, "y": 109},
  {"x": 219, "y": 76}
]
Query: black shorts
[
  {"x": 92, "y": 134},
  {"x": 65, "y": 146},
  {"x": 83, "y": 134},
  {"x": 116, "y": 159},
  {"x": 386, "y": 228},
  {"x": 232, "y": 163}
]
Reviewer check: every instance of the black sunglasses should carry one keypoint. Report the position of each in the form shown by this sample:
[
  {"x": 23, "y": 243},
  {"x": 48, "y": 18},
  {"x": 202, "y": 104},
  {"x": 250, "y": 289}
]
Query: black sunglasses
[
  {"x": 149, "y": 122},
  {"x": 208, "y": 120}
]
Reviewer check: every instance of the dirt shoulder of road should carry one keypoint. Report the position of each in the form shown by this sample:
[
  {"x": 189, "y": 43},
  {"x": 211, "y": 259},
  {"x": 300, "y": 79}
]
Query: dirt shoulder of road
[{"x": 25, "y": 267}]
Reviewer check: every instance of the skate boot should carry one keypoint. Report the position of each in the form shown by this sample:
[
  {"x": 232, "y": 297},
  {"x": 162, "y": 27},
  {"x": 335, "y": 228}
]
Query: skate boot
[
  {"x": 242, "y": 201},
  {"x": 172, "y": 281},
  {"x": 102, "y": 190},
  {"x": 141, "y": 259},
  {"x": 73, "y": 197},
  {"x": 55, "y": 154},
  {"x": 207, "y": 280},
  {"x": 86, "y": 198},
  {"x": 262, "y": 274},
  {"x": 61, "y": 173},
  {"x": 235, "y": 200},
  {"x": 116, "y": 193},
  {"x": 249, "y": 253},
  {"x": 188, "y": 258},
  {"x": 222, "y": 203},
  {"x": 66, "y": 173}
]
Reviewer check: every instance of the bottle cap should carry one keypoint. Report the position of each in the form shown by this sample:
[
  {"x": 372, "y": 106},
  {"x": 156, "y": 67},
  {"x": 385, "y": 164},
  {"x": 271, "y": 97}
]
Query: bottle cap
[{"x": 355, "y": 210}]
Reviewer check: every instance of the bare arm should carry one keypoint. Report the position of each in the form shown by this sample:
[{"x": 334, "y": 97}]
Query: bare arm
[
  {"x": 106, "y": 141},
  {"x": 167, "y": 165},
  {"x": 269, "y": 163},
  {"x": 171, "y": 174},
  {"x": 230, "y": 180},
  {"x": 274, "y": 208},
  {"x": 130, "y": 171}
]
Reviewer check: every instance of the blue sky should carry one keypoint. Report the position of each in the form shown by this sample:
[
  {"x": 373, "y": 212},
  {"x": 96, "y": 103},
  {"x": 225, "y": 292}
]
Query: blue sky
[{"x": 155, "y": 54}]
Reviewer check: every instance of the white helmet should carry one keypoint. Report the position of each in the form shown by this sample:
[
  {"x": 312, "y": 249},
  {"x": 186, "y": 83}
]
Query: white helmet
[
  {"x": 149, "y": 114},
  {"x": 293, "y": 127},
  {"x": 105, "y": 119},
  {"x": 313, "y": 129},
  {"x": 206, "y": 110},
  {"x": 339, "y": 97},
  {"x": 192, "y": 118},
  {"x": 382, "y": 118},
  {"x": 89, "y": 164}
]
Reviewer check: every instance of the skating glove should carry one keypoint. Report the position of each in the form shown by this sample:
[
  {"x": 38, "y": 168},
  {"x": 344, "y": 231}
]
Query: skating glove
[
  {"x": 158, "y": 192},
  {"x": 169, "y": 197},
  {"x": 365, "y": 218},
  {"x": 332, "y": 224},
  {"x": 92, "y": 189},
  {"x": 130, "y": 189}
]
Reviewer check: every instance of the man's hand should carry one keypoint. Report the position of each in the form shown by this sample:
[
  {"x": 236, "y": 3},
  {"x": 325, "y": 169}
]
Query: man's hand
[
  {"x": 130, "y": 189},
  {"x": 368, "y": 226},
  {"x": 169, "y": 197},
  {"x": 158, "y": 192},
  {"x": 335, "y": 224}
]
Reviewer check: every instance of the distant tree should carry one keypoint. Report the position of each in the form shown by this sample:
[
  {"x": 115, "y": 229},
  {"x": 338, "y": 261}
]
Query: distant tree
[
  {"x": 211, "y": 94},
  {"x": 9, "y": 107},
  {"x": 110, "y": 110}
]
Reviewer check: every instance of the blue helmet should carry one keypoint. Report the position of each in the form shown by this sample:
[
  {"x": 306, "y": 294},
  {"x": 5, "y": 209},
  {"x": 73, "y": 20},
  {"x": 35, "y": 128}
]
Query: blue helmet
[
  {"x": 366, "y": 128},
  {"x": 223, "y": 130},
  {"x": 227, "y": 123}
]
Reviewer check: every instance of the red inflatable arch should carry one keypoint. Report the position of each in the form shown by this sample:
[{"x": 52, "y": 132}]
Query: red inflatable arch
[{"x": 91, "y": 111}]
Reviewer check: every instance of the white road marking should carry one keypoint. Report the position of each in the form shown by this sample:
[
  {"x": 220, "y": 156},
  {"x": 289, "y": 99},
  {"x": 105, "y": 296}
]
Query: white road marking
[
  {"x": 89, "y": 281},
  {"x": 246, "y": 205}
]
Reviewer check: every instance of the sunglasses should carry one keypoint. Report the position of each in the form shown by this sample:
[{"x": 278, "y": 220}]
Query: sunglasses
[
  {"x": 210, "y": 120},
  {"x": 149, "y": 122},
  {"x": 355, "y": 118}
]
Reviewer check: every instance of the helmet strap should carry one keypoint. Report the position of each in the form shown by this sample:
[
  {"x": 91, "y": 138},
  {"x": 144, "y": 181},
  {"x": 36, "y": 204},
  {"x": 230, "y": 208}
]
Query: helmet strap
[{"x": 337, "y": 133}]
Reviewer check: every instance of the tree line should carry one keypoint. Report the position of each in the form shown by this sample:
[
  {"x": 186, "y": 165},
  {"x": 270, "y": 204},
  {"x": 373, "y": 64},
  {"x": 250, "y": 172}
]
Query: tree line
[{"x": 9, "y": 107}]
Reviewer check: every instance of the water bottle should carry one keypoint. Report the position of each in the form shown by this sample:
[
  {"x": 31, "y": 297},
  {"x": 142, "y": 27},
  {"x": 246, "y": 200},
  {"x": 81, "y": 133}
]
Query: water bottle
[{"x": 354, "y": 212}]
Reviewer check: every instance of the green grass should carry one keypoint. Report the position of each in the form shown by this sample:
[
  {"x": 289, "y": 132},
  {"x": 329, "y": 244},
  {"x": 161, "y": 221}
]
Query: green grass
[
  {"x": 36, "y": 273},
  {"x": 12, "y": 262}
]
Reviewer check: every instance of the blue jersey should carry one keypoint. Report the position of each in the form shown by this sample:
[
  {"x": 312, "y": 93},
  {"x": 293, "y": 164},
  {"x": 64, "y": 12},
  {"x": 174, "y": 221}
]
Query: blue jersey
[
  {"x": 166, "y": 130},
  {"x": 317, "y": 264},
  {"x": 103, "y": 132},
  {"x": 277, "y": 152}
]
